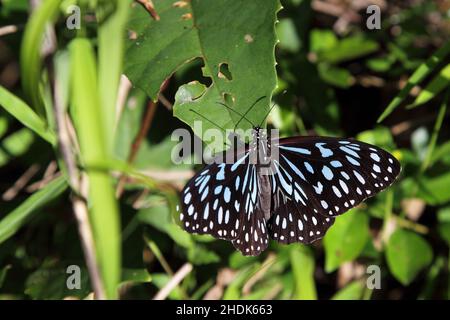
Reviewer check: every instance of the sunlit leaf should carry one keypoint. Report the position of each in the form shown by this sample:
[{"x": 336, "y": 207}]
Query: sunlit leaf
[{"x": 407, "y": 254}]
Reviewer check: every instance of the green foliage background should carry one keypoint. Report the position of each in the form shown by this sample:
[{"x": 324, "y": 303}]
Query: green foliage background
[{"x": 326, "y": 73}]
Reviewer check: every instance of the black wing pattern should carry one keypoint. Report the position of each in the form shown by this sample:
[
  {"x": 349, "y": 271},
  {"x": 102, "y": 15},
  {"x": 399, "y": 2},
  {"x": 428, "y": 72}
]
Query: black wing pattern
[
  {"x": 316, "y": 178},
  {"x": 223, "y": 200},
  {"x": 313, "y": 180}
]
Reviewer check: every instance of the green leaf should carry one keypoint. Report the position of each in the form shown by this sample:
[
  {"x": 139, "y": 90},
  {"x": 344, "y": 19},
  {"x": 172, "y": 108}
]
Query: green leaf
[
  {"x": 30, "y": 53},
  {"x": 439, "y": 83},
  {"x": 159, "y": 217},
  {"x": 110, "y": 53},
  {"x": 380, "y": 64},
  {"x": 335, "y": 76},
  {"x": 416, "y": 78},
  {"x": 104, "y": 213},
  {"x": 50, "y": 282},
  {"x": 322, "y": 40},
  {"x": 23, "y": 113},
  {"x": 437, "y": 127},
  {"x": 15, "y": 145},
  {"x": 160, "y": 280},
  {"x": 234, "y": 289},
  {"x": 135, "y": 276},
  {"x": 379, "y": 136},
  {"x": 407, "y": 254},
  {"x": 13, "y": 221},
  {"x": 3, "y": 273},
  {"x": 346, "y": 49},
  {"x": 199, "y": 255},
  {"x": 353, "y": 291},
  {"x": 303, "y": 266},
  {"x": 346, "y": 239},
  {"x": 434, "y": 189},
  {"x": 287, "y": 34},
  {"x": 238, "y": 36},
  {"x": 444, "y": 232},
  {"x": 443, "y": 216}
]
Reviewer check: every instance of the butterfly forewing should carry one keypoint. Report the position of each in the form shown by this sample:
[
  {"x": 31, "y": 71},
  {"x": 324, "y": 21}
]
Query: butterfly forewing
[
  {"x": 332, "y": 175},
  {"x": 222, "y": 200}
]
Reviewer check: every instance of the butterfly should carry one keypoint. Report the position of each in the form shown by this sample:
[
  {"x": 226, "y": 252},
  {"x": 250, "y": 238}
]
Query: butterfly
[{"x": 294, "y": 197}]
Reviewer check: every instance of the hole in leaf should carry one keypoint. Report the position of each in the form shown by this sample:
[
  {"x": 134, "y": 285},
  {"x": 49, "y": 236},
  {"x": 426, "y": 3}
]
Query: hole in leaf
[
  {"x": 229, "y": 99},
  {"x": 224, "y": 72}
]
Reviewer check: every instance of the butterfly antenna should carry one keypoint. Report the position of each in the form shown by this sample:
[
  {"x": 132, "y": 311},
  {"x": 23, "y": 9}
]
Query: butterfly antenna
[
  {"x": 271, "y": 108},
  {"x": 231, "y": 109},
  {"x": 202, "y": 116},
  {"x": 248, "y": 110}
]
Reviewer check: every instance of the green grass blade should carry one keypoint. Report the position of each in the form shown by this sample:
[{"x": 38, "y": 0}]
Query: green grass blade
[
  {"x": 103, "y": 213},
  {"x": 421, "y": 72},
  {"x": 23, "y": 213},
  {"x": 110, "y": 52},
  {"x": 303, "y": 265},
  {"x": 439, "y": 83},
  {"x": 23, "y": 113},
  {"x": 434, "y": 136},
  {"x": 30, "y": 53}
]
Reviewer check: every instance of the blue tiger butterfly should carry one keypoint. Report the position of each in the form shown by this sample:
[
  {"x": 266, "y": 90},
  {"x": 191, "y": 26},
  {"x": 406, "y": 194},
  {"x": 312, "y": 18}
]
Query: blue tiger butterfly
[{"x": 313, "y": 180}]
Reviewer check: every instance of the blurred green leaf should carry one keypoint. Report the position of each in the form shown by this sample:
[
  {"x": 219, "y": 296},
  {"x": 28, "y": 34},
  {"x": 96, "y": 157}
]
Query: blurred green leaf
[
  {"x": 434, "y": 135},
  {"x": 379, "y": 136},
  {"x": 49, "y": 282},
  {"x": 352, "y": 291},
  {"x": 380, "y": 64},
  {"x": 3, "y": 126},
  {"x": 135, "y": 276},
  {"x": 159, "y": 217},
  {"x": 336, "y": 51},
  {"x": 439, "y": 83},
  {"x": 322, "y": 40},
  {"x": 110, "y": 52},
  {"x": 443, "y": 216},
  {"x": 432, "y": 279},
  {"x": 103, "y": 209},
  {"x": 161, "y": 279},
  {"x": 338, "y": 77},
  {"x": 23, "y": 113},
  {"x": 15, "y": 145},
  {"x": 444, "y": 231},
  {"x": 407, "y": 254},
  {"x": 3, "y": 272},
  {"x": 234, "y": 289},
  {"x": 14, "y": 220},
  {"x": 287, "y": 34},
  {"x": 416, "y": 78},
  {"x": 198, "y": 255},
  {"x": 129, "y": 123},
  {"x": 30, "y": 59},
  {"x": 303, "y": 266},
  {"x": 434, "y": 189},
  {"x": 345, "y": 240}
]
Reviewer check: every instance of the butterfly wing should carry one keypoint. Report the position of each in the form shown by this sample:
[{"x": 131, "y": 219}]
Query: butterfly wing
[
  {"x": 223, "y": 200},
  {"x": 290, "y": 223},
  {"x": 319, "y": 177}
]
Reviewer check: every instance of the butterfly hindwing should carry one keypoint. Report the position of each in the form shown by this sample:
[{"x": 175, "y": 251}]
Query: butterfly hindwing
[{"x": 290, "y": 223}]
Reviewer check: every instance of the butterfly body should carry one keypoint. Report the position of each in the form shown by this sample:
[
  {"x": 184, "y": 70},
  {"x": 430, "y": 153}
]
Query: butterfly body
[{"x": 289, "y": 189}]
